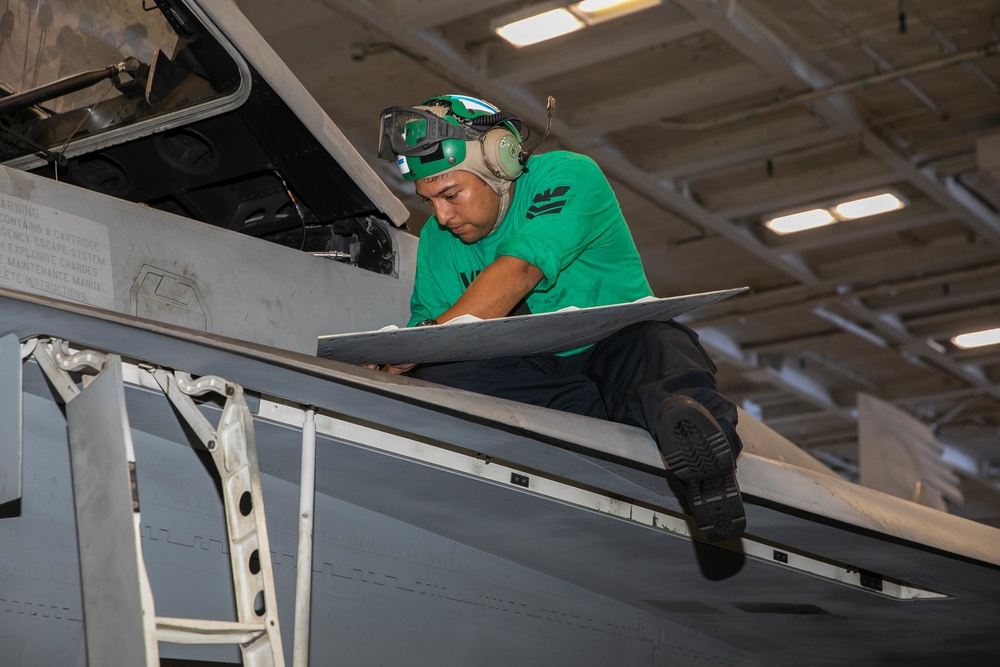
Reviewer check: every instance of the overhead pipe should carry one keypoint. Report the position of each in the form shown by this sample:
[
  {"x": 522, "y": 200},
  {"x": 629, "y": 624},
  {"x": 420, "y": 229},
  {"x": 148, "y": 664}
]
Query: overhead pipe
[
  {"x": 812, "y": 302},
  {"x": 986, "y": 51}
]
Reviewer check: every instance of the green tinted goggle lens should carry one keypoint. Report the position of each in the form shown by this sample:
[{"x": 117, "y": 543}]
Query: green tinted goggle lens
[{"x": 411, "y": 132}]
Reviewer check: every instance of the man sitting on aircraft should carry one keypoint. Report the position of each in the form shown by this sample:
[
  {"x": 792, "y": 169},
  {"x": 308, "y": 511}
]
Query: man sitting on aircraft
[{"x": 511, "y": 235}]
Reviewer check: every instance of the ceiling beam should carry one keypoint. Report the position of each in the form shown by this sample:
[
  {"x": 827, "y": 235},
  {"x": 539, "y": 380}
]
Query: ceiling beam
[
  {"x": 785, "y": 376},
  {"x": 424, "y": 14},
  {"x": 963, "y": 287},
  {"x": 758, "y": 141},
  {"x": 953, "y": 321},
  {"x": 677, "y": 98},
  {"x": 792, "y": 302},
  {"x": 800, "y": 188},
  {"x": 940, "y": 255}
]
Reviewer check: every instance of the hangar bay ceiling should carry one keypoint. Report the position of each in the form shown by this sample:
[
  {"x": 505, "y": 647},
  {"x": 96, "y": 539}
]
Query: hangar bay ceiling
[{"x": 711, "y": 117}]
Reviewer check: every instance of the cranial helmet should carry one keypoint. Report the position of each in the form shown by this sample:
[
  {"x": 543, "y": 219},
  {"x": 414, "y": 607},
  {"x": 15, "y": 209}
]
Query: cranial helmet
[{"x": 452, "y": 133}]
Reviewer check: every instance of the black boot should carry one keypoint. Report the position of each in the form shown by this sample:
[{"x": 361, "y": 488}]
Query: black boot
[{"x": 697, "y": 451}]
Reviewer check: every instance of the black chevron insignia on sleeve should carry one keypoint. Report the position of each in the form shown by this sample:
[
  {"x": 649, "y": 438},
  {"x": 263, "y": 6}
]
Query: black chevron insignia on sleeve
[{"x": 543, "y": 202}]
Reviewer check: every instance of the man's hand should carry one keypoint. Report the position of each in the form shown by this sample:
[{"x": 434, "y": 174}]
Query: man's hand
[{"x": 392, "y": 369}]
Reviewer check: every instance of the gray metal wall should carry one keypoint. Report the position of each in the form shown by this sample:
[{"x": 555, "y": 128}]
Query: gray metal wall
[{"x": 80, "y": 246}]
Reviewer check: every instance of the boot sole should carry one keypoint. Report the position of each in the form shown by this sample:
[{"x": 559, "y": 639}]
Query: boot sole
[{"x": 705, "y": 464}]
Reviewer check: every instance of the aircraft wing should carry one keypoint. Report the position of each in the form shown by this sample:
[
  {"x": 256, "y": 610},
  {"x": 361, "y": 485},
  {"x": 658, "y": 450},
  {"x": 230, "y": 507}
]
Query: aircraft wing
[{"x": 829, "y": 573}]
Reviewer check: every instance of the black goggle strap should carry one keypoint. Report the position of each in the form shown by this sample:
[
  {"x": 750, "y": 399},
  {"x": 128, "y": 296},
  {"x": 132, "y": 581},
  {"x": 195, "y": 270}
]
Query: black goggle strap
[{"x": 393, "y": 142}]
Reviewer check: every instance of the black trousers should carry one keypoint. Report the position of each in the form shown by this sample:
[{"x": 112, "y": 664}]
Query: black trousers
[{"x": 623, "y": 378}]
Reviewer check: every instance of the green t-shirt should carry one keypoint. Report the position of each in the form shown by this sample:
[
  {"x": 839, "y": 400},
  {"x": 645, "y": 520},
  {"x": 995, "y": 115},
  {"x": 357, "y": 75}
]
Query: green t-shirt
[{"x": 565, "y": 220}]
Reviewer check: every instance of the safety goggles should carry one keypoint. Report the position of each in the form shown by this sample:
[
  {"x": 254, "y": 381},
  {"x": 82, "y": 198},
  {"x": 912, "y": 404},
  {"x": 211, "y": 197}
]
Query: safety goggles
[{"x": 407, "y": 131}]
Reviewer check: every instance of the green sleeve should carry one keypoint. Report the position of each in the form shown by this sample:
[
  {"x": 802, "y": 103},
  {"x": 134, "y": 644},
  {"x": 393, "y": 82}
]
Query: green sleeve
[{"x": 568, "y": 209}]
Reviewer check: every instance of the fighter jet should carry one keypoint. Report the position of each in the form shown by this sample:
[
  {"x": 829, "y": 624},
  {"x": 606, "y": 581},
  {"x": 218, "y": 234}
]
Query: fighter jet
[{"x": 183, "y": 481}]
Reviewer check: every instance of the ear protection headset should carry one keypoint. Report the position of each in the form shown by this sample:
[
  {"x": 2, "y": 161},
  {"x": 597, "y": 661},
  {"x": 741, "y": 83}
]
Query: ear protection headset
[
  {"x": 453, "y": 132},
  {"x": 501, "y": 148}
]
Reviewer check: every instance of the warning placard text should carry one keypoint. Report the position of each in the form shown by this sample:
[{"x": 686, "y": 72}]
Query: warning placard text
[{"x": 51, "y": 252}]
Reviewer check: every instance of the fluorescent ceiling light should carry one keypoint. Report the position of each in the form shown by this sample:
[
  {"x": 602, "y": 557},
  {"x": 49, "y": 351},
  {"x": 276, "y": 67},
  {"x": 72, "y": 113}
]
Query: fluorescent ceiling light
[
  {"x": 595, "y": 11},
  {"x": 848, "y": 210},
  {"x": 540, "y": 27},
  {"x": 797, "y": 222},
  {"x": 555, "y": 22},
  {"x": 860, "y": 208},
  {"x": 596, "y": 6},
  {"x": 977, "y": 339}
]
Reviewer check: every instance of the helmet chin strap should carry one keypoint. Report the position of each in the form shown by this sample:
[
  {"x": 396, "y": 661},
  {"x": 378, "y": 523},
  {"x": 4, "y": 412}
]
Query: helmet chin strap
[{"x": 504, "y": 192}]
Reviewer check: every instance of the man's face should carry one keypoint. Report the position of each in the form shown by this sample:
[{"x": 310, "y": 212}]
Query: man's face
[{"x": 462, "y": 202}]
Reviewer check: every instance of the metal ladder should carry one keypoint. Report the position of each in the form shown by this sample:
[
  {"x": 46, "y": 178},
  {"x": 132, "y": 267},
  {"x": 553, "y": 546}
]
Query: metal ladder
[{"x": 119, "y": 613}]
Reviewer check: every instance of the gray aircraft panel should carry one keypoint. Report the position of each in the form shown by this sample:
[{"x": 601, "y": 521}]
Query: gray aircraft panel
[
  {"x": 159, "y": 266},
  {"x": 40, "y": 602},
  {"x": 441, "y": 602},
  {"x": 99, "y": 443},
  {"x": 328, "y": 136},
  {"x": 10, "y": 418},
  {"x": 540, "y": 333},
  {"x": 452, "y": 418},
  {"x": 376, "y": 577},
  {"x": 503, "y": 429},
  {"x": 731, "y": 598},
  {"x": 700, "y": 586}
]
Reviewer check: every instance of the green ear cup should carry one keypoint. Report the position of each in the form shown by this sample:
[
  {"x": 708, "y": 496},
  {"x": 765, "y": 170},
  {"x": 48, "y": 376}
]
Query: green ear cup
[{"x": 502, "y": 152}]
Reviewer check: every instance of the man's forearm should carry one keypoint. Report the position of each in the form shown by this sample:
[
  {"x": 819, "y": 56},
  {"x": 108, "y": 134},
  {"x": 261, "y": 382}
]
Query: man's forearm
[{"x": 495, "y": 291}]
